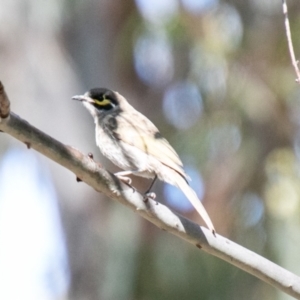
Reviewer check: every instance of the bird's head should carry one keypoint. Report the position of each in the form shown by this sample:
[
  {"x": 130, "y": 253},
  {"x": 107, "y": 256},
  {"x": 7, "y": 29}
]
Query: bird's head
[{"x": 99, "y": 100}]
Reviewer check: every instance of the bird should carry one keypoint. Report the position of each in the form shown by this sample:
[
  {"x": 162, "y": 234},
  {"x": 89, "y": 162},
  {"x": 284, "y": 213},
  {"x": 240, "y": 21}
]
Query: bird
[{"x": 133, "y": 143}]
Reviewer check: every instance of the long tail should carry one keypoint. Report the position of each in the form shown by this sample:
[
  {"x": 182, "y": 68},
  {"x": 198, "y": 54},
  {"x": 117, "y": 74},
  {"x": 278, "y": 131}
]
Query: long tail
[{"x": 192, "y": 196}]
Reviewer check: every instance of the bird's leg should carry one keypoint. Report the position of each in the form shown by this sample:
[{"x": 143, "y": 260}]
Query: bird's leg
[
  {"x": 147, "y": 194},
  {"x": 122, "y": 176}
]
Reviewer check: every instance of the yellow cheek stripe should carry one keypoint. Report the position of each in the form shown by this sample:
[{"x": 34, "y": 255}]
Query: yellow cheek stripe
[{"x": 103, "y": 102}]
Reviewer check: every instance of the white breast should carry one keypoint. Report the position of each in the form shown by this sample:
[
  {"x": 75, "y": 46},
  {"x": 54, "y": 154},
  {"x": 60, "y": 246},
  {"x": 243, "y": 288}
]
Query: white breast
[{"x": 124, "y": 156}]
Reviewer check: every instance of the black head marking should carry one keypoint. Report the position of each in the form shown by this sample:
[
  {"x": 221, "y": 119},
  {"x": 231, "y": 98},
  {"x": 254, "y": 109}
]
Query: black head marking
[{"x": 105, "y": 99}]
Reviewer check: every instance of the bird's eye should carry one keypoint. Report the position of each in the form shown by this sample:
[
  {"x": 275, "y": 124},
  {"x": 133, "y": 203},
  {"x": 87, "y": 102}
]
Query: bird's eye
[{"x": 104, "y": 102}]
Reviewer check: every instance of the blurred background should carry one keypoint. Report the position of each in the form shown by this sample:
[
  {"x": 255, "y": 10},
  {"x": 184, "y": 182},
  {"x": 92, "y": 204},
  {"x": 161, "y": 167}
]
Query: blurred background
[{"x": 215, "y": 77}]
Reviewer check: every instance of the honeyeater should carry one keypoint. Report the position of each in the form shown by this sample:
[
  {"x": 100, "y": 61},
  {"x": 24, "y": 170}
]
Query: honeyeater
[{"x": 133, "y": 143}]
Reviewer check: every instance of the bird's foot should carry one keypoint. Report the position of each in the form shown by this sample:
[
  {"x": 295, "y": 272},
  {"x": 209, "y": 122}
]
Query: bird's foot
[
  {"x": 148, "y": 196},
  {"x": 126, "y": 180}
]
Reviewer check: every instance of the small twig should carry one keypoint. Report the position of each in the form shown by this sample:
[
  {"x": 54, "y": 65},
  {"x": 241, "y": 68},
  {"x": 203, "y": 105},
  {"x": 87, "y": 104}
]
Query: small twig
[
  {"x": 295, "y": 62},
  {"x": 4, "y": 103}
]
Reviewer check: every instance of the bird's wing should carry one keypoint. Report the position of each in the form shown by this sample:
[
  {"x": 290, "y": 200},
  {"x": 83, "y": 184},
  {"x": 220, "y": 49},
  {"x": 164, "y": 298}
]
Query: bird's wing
[{"x": 140, "y": 132}]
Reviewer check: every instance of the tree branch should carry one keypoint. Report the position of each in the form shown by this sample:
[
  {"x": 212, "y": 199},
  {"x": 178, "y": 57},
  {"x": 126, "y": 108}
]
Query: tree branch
[
  {"x": 295, "y": 62},
  {"x": 4, "y": 103},
  {"x": 103, "y": 181}
]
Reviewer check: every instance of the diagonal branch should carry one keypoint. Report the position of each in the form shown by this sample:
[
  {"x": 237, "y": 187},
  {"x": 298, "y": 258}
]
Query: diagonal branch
[{"x": 101, "y": 180}]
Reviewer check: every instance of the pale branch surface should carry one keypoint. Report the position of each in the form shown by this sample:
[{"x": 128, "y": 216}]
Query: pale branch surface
[{"x": 103, "y": 181}]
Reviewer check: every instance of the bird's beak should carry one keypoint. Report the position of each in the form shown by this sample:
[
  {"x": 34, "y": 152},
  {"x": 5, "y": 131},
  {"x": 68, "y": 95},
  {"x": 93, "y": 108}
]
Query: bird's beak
[{"x": 83, "y": 98}]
